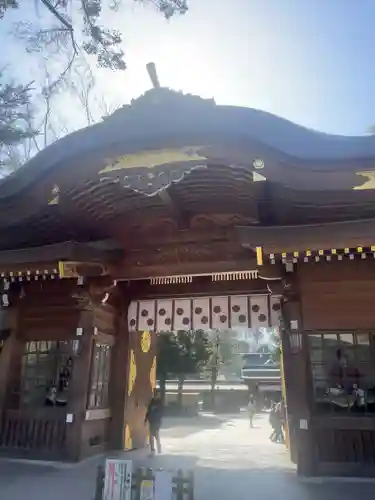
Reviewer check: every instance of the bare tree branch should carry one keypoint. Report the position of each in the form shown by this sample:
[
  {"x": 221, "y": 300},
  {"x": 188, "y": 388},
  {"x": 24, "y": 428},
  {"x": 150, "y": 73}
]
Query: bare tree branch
[{"x": 55, "y": 12}]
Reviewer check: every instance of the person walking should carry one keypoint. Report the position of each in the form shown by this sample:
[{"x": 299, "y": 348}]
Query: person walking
[
  {"x": 251, "y": 410},
  {"x": 153, "y": 418},
  {"x": 272, "y": 421},
  {"x": 276, "y": 421}
]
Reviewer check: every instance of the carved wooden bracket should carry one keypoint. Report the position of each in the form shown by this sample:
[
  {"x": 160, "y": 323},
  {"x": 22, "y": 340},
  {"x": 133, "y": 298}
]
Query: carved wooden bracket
[
  {"x": 92, "y": 296},
  {"x": 68, "y": 269}
]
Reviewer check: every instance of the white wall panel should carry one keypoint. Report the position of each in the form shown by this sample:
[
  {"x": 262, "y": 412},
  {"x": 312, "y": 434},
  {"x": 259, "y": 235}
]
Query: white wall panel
[
  {"x": 258, "y": 311},
  {"x": 132, "y": 316},
  {"x": 275, "y": 304},
  {"x": 204, "y": 313},
  {"x": 201, "y": 313},
  {"x": 239, "y": 314},
  {"x": 182, "y": 314},
  {"x": 164, "y": 315},
  {"x": 219, "y": 312},
  {"x": 146, "y": 315}
]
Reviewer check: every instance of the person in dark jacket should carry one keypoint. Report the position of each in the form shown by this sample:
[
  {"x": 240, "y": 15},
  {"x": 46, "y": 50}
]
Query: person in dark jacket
[{"x": 154, "y": 416}]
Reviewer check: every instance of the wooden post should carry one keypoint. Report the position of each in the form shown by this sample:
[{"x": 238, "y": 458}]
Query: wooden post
[
  {"x": 118, "y": 382},
  {"x": 10, "y": 349},
  {"x": 79, "y": 384},
  {"x": 297, "y": 386}
]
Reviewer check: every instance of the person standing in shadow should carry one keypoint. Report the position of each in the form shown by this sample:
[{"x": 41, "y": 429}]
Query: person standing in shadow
[
  {"x": 251, "y": 410},
  {"x": 153, "y": 418}
]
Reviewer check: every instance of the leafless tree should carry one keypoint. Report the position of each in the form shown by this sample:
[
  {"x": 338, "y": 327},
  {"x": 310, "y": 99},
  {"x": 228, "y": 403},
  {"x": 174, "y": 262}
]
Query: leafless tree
[{"x": 81, "y": 84}]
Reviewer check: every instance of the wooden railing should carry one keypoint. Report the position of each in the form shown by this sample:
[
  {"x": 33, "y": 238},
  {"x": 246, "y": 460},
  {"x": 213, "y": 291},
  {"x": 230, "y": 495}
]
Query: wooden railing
[{"x": 33, "y": 433}]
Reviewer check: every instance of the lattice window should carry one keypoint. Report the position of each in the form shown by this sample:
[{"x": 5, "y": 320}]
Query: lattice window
[
  {"x": 46, "y": 372},
  {"x": 100, "y": 375},
  {"x": 343, "y": 371}
]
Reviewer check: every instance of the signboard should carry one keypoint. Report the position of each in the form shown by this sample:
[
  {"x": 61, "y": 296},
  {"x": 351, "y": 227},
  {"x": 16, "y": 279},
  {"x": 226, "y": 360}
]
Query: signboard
[
  {"x": 147, "y": 490},
  {"x": 163, "y": 485},
  {"x": 117, "y": 480}
]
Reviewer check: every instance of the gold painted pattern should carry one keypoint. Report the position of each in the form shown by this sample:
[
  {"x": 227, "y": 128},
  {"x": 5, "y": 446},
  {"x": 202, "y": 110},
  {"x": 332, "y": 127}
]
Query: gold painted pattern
[
  {"x": 128, "y": 443},
  {"x": 145, "y": 341},
  {"x": 149, "y": 159},
  {"x": 369, "y": 183},
  {"x": 132, "y": 372},
  {"x": 328, "y": 254}
]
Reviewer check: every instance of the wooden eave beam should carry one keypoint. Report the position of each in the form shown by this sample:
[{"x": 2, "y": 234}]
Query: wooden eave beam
[
  {"x": 277, "y": 239},
  {"x": 105, "y": 251}
]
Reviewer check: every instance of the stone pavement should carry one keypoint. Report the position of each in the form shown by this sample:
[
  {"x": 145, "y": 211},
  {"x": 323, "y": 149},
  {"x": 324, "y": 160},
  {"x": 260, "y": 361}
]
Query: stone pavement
[{"x": 230, "y": 460}]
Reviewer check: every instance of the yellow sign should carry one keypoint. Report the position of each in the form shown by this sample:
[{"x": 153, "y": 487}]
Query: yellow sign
[
  {"x": 369, "y": 183},
  {"x": 152, "y": 158}
]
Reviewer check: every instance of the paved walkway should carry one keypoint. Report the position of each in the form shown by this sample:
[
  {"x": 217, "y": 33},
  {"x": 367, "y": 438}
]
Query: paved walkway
[{"x": 231, "y": 462}]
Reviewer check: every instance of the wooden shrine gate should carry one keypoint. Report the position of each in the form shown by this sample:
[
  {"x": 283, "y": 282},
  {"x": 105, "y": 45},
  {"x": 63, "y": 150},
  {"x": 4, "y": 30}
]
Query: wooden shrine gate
[{"x": 247, "y": 314}]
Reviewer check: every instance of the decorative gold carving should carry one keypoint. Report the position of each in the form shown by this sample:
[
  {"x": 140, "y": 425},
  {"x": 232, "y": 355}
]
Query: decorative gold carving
[
  {"x": 369, "y": 175},
  {"x": 88, "y": 298},
  {"x": 69, "y": 269},
  {"x": 132, "y": 372},
  {"x": 153, "y": 158},
  {"x": 145, "y": 341}
]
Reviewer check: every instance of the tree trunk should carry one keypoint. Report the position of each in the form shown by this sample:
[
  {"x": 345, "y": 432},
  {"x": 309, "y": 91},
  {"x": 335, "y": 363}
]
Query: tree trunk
[{"x": 180, "y": 390}]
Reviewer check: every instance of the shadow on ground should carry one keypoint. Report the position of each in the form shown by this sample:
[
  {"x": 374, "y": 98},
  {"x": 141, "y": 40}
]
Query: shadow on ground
[
  {"x": 230, "y": 462},
  {"x": 258, "y": 482},
  {"x": 38, "y": 482}
]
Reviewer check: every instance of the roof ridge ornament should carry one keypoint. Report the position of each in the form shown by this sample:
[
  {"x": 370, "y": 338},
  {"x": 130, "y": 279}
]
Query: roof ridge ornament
[{"x": 158, "y": 97}]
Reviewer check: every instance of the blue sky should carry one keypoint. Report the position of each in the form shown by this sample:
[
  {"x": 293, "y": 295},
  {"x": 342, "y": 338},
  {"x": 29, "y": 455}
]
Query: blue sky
[{"x": 309, "y": 61}]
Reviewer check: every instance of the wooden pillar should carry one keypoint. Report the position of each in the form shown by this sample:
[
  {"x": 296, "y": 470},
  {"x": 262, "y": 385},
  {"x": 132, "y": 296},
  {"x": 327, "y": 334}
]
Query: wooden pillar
[
  {"x": 79, "y": 383},
  {"x": 10, "y": 347},
  {"x": 119, "y": 369},
  {"x": 297, "y": 380},
  {"x": 132, "y": 382}
]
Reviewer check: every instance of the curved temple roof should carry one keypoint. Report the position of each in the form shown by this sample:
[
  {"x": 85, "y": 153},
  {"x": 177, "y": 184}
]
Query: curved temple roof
[
  {"x": 166, "y": 145},
  {"x": 163, "y": 119}
]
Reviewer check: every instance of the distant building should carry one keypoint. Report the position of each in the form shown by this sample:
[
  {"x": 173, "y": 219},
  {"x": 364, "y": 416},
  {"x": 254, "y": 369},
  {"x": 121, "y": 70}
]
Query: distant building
[{"x": 261, "y": 373}]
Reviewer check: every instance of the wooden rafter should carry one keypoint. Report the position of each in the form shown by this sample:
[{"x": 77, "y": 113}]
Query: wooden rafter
[{"x": 105, "y": 251}]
